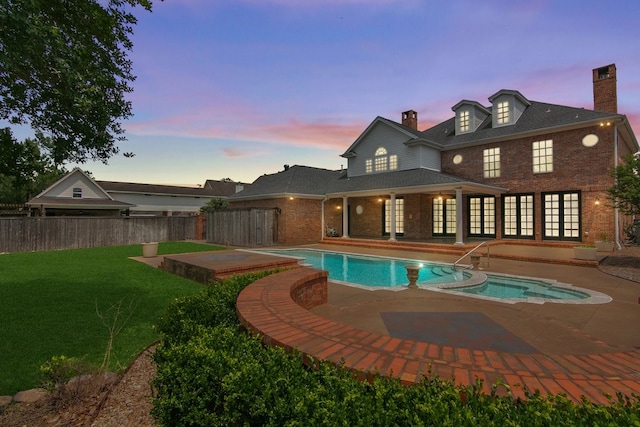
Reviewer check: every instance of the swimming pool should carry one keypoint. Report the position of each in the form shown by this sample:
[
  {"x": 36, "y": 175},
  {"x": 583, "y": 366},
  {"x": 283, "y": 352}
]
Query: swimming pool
[{"x": 375, "y": 272}]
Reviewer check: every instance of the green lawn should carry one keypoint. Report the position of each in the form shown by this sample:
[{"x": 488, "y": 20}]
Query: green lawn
[{"x": 49, "y": 305}]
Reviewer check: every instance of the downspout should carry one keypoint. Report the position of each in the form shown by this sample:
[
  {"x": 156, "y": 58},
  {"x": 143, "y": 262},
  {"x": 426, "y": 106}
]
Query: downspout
[
  {"x": 616, "y": 209},
  {"x": 323, "y": 229}
]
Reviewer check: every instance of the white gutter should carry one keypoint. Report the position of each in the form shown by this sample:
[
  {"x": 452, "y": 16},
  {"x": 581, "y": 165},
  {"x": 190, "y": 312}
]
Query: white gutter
[
  {"x": 322, "y": 231},
  {"x": 616, "y": 210}
]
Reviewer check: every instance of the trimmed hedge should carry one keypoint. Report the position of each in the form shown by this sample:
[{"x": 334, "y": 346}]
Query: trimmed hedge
[{"x": 211, "y": 373}]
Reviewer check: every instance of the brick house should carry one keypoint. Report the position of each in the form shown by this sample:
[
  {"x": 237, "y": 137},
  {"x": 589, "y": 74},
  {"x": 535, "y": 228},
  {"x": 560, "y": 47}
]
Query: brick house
[{"x": 515, "y": 169}]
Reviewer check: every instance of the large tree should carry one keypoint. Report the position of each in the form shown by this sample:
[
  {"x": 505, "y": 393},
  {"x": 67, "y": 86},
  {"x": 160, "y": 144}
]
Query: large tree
[
  {"x": 625, "y": 193},
  {"x": 64, "y": 71},
  {"x": 25, "y": 170}
]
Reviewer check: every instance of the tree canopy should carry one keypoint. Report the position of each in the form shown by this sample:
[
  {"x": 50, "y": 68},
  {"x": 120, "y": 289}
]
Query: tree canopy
[
  {"x": 64, "y": 71},
  {"x": 24, "y": 169},
  {"x": 625, "y": 193}
]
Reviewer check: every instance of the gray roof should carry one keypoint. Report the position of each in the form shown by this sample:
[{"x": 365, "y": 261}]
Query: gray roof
[
  {"x": 210, "y": 189},
  {"x": 318, "y": 183},
  {"x": 295, "y": 180},
  {"x": 537, "y": 117},
  {"x": 71, "y": 203}
]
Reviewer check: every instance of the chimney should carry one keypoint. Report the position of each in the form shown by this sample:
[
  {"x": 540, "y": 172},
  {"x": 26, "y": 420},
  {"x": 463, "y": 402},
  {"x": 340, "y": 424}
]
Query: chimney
[
  {"x": 605, "y": 92},
  {"x": 410, "y": 119}
]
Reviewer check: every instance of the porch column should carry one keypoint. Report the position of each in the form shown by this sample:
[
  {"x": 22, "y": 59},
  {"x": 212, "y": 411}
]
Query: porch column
[
  {"x": 459, "y": 236},
  {"x": 345, "y": 217},
  {"x": 392, "y": 221}
]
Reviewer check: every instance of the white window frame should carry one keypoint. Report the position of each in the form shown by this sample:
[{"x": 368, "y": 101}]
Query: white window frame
[
  {"x": 503, "y": 111},
  {"x": 464, "y": 121},
  {"x": 542, "y": 156},
  {"x": 491, "y": 162}
]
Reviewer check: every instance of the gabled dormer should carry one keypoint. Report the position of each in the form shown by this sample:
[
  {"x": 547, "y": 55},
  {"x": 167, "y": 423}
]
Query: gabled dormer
[
  {"x": 507, "y": 107},
  {"x": 469, "y": 115}
]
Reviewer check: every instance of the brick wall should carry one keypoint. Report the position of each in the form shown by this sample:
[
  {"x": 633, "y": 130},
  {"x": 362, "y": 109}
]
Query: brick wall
[{"x": 575, "y": 167}]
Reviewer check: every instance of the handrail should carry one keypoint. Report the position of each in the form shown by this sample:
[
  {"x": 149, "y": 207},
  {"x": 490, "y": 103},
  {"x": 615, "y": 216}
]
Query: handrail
[{"x": 470, "y": 252}]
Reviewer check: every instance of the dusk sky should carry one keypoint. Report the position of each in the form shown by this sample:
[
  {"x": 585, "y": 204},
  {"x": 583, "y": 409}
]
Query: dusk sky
[{"x": 238, "y": 88}]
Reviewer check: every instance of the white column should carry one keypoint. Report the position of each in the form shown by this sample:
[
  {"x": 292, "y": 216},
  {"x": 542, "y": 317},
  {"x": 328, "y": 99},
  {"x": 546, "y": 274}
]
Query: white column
[
  {"x": 345, "y": 217},
  {"x": 392, "y": 222},
  {"x": 459, "y": 236}
]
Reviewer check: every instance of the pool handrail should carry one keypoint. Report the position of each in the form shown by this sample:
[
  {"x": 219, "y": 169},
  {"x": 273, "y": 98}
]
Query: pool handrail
[{"x": 455, "y": 264}]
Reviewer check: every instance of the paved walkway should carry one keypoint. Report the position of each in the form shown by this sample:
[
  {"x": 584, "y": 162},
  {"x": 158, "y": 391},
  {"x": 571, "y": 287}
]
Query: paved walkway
[{"x": 577, "y": 350}]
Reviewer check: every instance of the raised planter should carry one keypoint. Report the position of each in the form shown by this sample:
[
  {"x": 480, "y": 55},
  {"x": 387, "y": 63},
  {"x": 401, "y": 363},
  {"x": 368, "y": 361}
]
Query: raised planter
[
  {"x": 604, "y": 246},
  {"x": 585, "y": 252},
  {"x": 150, "y": 250}
]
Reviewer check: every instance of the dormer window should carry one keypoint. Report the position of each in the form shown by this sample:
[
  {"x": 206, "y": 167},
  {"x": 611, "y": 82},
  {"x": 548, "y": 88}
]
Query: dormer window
[
  {"x": 463, "y": 120},
  {"x": 77, "y": 193},
  {"x": 507, "y": 107},
  {"x": 503, "y": 113},
  {"x": 469, "y": 116}
]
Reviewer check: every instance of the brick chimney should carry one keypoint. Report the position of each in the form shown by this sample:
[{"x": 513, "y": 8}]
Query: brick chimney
[
  {"x": 605, "y": 92},
  {"x": 410, "y": 119}
]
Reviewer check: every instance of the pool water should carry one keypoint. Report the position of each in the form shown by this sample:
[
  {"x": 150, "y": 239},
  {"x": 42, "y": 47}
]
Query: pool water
[
  {"x": 513, "y": 287},
  {"x": 375, "y": 272}
]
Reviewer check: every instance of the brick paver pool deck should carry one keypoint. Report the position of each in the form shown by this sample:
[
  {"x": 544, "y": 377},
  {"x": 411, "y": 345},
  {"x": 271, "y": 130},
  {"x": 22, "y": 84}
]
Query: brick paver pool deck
[
  {"x": 293, "y": 310},
  {"x": 267, "y": 308}
]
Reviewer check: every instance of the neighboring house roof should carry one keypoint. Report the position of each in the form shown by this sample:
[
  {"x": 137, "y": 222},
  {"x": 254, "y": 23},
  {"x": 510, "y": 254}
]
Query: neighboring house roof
[
  {"x": 60, "y": 194},
  {"x": 293, "y": 181},
  {"x": 210, "y": 189},
  {"x": 299, "y": 181},
  {"x": 70, "y": 203}
]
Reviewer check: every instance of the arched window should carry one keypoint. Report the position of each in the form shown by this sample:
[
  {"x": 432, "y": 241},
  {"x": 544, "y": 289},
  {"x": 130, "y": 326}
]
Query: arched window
[{"x": 382, "y": 161}]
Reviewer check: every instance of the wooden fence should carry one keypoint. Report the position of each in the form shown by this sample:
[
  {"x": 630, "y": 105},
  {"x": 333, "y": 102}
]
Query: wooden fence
[
  {"x": 250, "y": 227},
  {"x": 51, "y": 233}
]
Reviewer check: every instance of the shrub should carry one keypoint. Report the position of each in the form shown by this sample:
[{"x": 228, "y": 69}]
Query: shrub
[{"x": 210, "y": 373}]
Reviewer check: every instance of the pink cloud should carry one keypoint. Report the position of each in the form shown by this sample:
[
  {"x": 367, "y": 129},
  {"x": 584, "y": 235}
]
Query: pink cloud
[{"x": 238, "y": 123}]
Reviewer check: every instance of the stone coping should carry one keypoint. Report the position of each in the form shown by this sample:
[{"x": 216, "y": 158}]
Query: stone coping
[{"x": 270, "y": 308}]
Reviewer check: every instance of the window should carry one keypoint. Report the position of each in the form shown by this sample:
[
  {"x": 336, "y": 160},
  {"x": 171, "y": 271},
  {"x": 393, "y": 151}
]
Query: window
[
  {"x": 543, "y": 156},
  {"x": 518, "y": 216},
  {"x": 399, "y": 216},
  {"x": 381, "y": 161},
  {"x": 503, "y": 113},
  {"x": 491, "y": 162},
  {"x": 77, "y": 193},
  {"x": 463, "y": 120},
  {"x": 368, "y": 166},
  {"x": 393, "y": 162},
  {"x": 482, "y": 216},
  {"x": 444, "y": 216},
  {"x": 561, "y": 216}
]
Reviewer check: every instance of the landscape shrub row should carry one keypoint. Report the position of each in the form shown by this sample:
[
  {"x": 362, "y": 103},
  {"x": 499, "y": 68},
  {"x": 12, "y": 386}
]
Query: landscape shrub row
[{"x": 211, "y": 373}]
